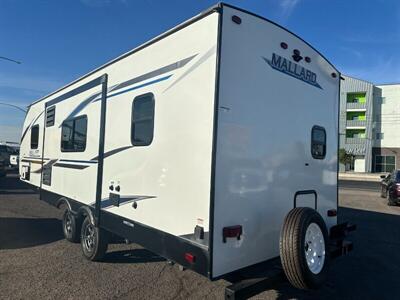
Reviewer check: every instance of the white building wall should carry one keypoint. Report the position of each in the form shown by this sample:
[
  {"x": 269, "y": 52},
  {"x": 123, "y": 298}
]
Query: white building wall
[
  {"x": 359, "y": 164},
  {"x": 389, "y": 120}
]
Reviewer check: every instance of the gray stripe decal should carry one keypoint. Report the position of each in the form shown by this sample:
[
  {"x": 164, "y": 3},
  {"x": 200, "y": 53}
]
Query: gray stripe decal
[
  {"x": 201, "y": 60},
  {"x": 163, "y": 70},
  {"x": 160, "y": 71},
  {"x": 48, "y": 164},
  {"x": 80, "y": 89},
  {"x": 70, "y": 166},
  {"x": 79, "y": 161},
  {"x": 30, "y": 125},
  {"x": 112, "y": 152},
  {"x": 107, "y": 202},
  {"x": 81, "y": 106},
  {"x": 33, "y": 158}
]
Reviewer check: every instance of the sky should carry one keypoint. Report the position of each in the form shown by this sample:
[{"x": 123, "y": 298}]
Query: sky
[{"x": 59, "y": 41}]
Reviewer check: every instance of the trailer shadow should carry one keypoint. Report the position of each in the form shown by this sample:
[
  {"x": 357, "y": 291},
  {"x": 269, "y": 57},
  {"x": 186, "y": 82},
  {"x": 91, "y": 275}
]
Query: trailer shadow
[
  {"x": 11, "y": 184},
  {"x": 371, "y": 271},
  {"x": 132, "y": 256},
  {"x": 16, "y": 233}
]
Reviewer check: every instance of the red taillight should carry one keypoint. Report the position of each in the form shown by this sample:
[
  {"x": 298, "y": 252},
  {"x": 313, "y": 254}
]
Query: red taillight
[
  {"x": 231, "y": 232},
  {"x": 332, "y": 213},
  {"x": 190, "y": 258}
]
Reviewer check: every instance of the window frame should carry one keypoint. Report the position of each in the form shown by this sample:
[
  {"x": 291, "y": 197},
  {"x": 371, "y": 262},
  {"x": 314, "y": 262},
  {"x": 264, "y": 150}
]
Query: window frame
[
  {"x": 315, "y": 156},
  {"x": 38, "y": 132},
  {"x": 379, "y": 136},
  {"x": 383, "y": 165},
  {"x": 138, "y": 143},
  {"x": 73, "y": 133}
]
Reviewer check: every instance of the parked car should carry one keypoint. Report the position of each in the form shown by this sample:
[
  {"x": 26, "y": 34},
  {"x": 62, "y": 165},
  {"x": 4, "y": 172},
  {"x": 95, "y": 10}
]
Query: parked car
[
  {"x": 390, "y": 187},
  {"x": 4, "y": 154},
  {"x": 10, "y": 155},
  {"x": 2, "y": 168},
  {"x": 14, "y": 161}
]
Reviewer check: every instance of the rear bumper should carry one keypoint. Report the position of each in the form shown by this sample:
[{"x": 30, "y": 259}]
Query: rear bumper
[{"x": 338, "y": 245}]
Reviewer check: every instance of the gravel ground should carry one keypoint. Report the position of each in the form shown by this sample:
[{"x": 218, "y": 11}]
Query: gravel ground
[{"x": 36, "y": 262}]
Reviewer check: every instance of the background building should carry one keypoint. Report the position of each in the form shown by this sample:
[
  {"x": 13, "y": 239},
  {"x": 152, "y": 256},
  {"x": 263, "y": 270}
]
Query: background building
[
  {"x": 386, "y": 146},
  {"x": 369, "y": 125}
]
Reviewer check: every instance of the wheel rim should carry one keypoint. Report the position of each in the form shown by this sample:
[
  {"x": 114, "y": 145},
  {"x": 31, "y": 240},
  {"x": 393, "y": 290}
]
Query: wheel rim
[
  {"x": 314, "y": 248},
  {"x": 89, "y": 238},
  {"x": 68, "y": 223}
]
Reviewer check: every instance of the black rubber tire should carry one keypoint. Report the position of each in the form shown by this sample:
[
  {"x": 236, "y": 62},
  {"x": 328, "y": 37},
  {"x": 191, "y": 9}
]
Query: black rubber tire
[
  {"x": 99, "y": 241},
  {"x": 391, "y": 203},
  {"x": 71, "y": 227},
  {"x": 382, "y": 194},
  {"x": 292, "y": 245}
]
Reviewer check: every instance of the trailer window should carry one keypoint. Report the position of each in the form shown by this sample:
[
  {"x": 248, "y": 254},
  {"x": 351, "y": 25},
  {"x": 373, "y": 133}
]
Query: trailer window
[
  {"x": 318, "y": 142},
  {"x": 35, "y": 137},
  {"x": 73, "y": 135},
  {"x": 142, "y": 120}
]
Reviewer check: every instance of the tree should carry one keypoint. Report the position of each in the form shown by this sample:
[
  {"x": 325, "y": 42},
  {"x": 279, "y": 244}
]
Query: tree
[{"x": 344, "y": 157}]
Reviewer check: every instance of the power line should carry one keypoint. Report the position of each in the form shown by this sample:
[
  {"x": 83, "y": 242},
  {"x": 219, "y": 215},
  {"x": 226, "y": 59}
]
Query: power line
[
  {"x": 9, "y": 59},
  {"x": 12, "y": 105}
]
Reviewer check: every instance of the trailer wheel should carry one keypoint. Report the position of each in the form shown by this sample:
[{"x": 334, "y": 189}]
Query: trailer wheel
[
  {"x": 71, "y": 228},
  {"x": 304, "y": 248},
  {"x": 94, "y": 240}
]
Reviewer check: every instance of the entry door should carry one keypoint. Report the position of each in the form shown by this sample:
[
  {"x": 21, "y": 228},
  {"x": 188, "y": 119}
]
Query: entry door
[{"x": 73, "y": 144}]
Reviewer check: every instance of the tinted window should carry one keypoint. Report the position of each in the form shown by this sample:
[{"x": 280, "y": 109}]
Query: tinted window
[
  {"x": 385, "y": 163},
  {"x": 318, "y": 142},
  {"x": 142, "y": 120},
  {"x": 35, "y": 137},
  {"x": 73, "y": 135}
]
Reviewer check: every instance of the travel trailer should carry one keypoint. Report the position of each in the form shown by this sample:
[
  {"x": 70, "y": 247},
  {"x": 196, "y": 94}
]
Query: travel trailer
[{"x": 213, "y": 145}]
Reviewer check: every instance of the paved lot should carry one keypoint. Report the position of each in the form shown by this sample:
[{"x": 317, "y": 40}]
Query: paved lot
[
  {"x": 357, "y": 184},
  {"x": 36, "y": 262}
]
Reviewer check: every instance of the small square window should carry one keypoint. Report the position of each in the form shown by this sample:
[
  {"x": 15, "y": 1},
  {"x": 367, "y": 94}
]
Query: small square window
[
  {"x": 318, "y": 142},
  {"x": 73, "y": 135}
]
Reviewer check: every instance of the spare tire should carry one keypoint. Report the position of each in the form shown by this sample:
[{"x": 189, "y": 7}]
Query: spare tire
[{"x": 304, "y": 248}]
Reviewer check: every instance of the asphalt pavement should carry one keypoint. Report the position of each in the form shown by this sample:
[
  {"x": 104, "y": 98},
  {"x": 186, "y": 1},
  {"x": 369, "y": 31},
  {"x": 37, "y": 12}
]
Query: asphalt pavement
[
  {"x": 359, "y": 185},
  {"x": 36, "y": 262}
]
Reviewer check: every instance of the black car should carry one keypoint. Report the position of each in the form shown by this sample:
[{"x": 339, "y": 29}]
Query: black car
[
  {"x": 390, "y": 187},
  {"x": 2, "y": 168}
]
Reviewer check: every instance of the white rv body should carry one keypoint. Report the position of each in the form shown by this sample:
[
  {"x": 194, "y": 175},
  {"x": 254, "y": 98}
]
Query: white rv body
[{"x": 231, "y": 141}]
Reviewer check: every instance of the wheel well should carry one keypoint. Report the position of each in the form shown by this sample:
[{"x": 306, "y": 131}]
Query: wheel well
[
  {"x": 80, "y": 215},
  {"x": 85, "y": 212},
  {"x": 63, "y": 202}
]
